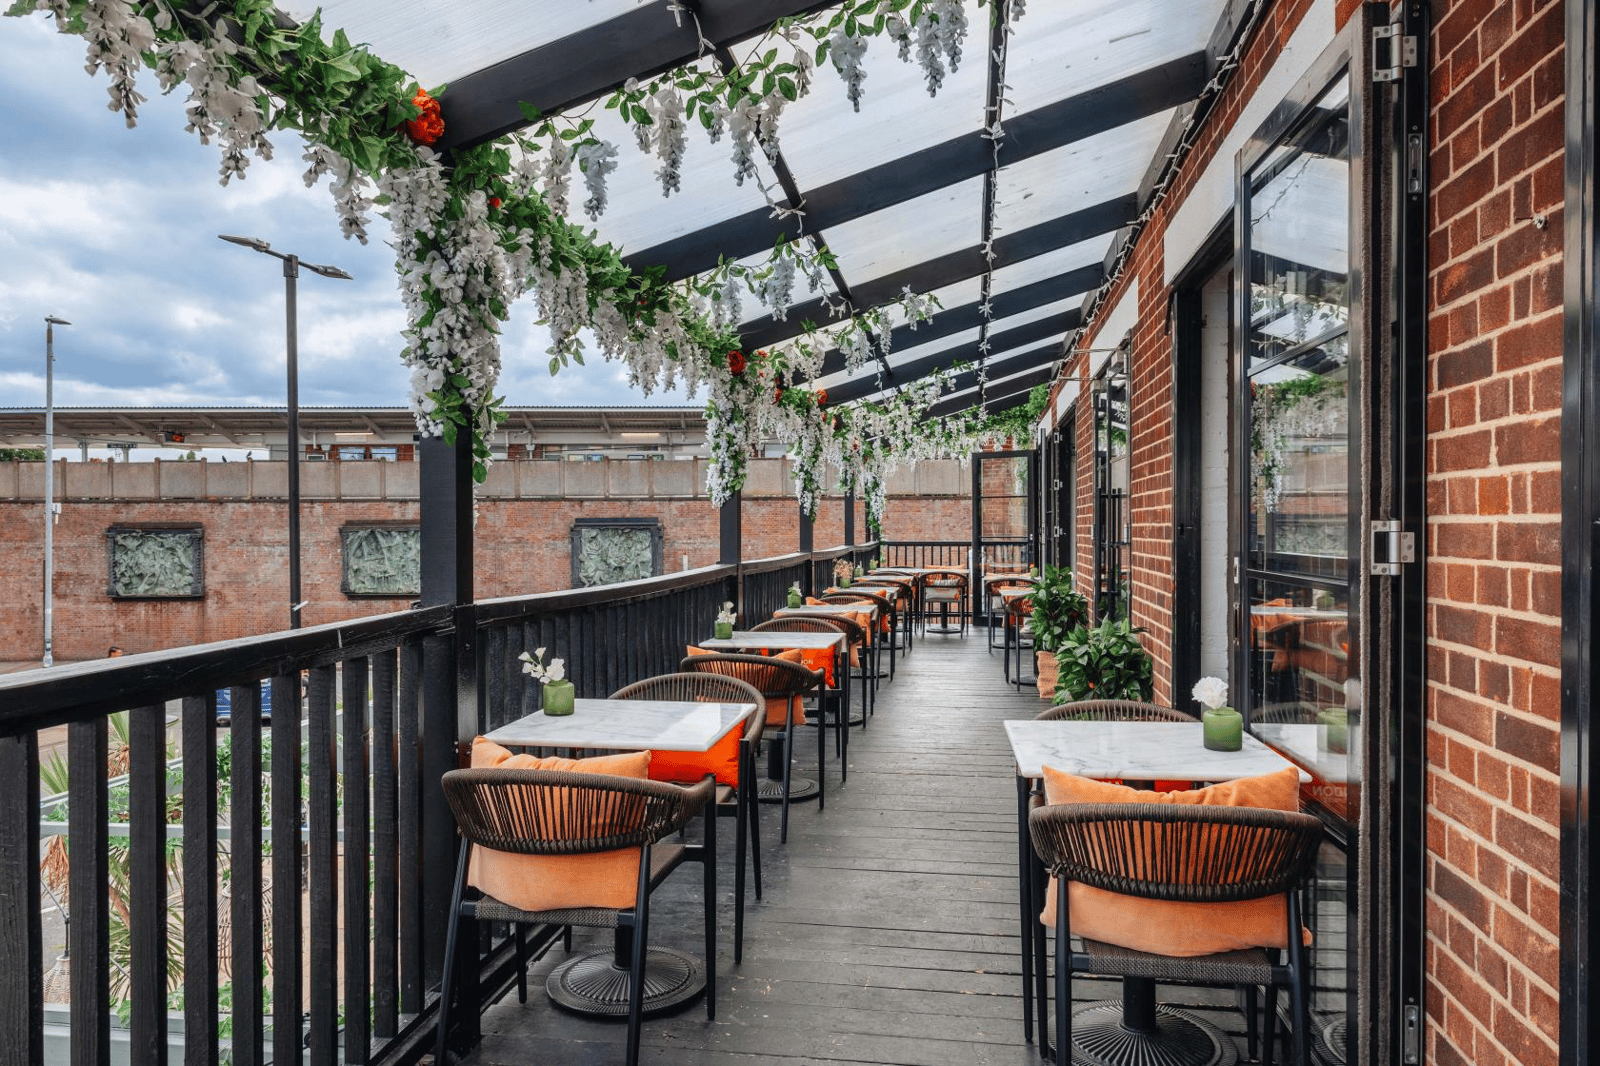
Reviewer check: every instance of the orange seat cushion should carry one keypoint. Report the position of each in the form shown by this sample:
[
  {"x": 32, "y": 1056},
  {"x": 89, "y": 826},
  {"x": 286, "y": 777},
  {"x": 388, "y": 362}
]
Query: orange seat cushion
[
  {"x": 688, "y": 767},
  {"x": 555, "y": 882},
  {"x": 1168, "y": 927},
  {"x": 754, "y": 675}
]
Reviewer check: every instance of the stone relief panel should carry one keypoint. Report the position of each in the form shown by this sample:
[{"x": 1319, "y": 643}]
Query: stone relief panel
[
  {"x": 155, "y": 563},
  {"x": 382, "y": 560},
  {"x": 608, "y": 550}
]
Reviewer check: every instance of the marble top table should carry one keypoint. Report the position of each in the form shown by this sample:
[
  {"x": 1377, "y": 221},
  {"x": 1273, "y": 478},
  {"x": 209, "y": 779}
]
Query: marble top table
[
  {"x": 828, "y": 609},
  {"x": 1306, "y": 743},
  {"x": 743, "y": 640},
  {"x": 888, "y": 592},
  {"x": 1138, "y": 751},
  {"x": 669, "y": 725}
]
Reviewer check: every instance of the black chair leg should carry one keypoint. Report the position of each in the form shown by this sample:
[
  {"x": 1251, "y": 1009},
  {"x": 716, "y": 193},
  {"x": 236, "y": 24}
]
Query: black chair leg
[
  {"x": 709, "y": 888},
  {"x": 1269, "y": 1026},
  {"x": 753, "y": 812},
  {"x": 441, "y": 1053},
  {"x": 788, "y": 764},
  {"x": 739, "y": 833},
  {"x": 1251, "y": 1036},
  {"x": 522, "y": 962},
  {"x": 641, "y": 923},
  {"x": 1063, "y": 981}
]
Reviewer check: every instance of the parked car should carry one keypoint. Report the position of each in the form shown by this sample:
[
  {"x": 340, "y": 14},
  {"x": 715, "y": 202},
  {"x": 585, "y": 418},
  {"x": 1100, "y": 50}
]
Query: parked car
[{"x": 225, "y": 704}]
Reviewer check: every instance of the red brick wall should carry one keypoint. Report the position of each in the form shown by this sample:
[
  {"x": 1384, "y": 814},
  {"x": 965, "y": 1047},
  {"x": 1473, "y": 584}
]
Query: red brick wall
[
  {"x": 1494, "y": 502},
  {"x": 522, "y": 547}
]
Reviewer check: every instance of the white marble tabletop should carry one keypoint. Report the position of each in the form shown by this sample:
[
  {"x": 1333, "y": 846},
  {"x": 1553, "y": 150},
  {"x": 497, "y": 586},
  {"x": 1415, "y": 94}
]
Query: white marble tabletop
[
  {"x": 888, "y": 592},
  {"x": 775, "y": 638},
  {"x": 1137, "y": 751},
  {"x": 828, "y": 608},
  {"x": 627, "y": 724}
]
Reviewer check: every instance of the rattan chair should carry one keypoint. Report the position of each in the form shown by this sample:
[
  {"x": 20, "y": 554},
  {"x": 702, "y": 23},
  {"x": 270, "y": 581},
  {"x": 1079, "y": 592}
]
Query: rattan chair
[
  {"x": 994, "y": 603},
  {"x": 906, "y": 605},
  {"x": 1188, "y": 853},
  {"x": 554, "y": 812},
  {"x": 886, "y": 624},
  {"x": 1018, "y": 612},
  {"x": 733, "y": 801},
  {"x": 836, "y": 701},
  {"x": 944, "y": 591},
  {"x": 776, "y": 680},
  {"x": 1111, "y": 711}
]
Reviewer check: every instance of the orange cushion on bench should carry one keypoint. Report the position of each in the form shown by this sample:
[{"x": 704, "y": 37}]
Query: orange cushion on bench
[
  {"x": 554, "y": 882},
  {"x": 1169, "y": 927}
]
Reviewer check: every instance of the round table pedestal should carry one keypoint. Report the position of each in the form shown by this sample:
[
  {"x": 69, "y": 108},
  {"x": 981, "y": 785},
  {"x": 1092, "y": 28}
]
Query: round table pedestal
[
  {"x": 597, "y": 983},
  {"x": 770, "y": 788},
  {"x": 1101, "y": 1038}
]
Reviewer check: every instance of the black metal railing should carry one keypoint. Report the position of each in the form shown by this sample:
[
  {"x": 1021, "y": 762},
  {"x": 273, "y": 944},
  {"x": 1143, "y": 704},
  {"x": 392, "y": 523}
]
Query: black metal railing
[
  {"x": 288, "y": 879},
  {"x": 927, "y": 553}
]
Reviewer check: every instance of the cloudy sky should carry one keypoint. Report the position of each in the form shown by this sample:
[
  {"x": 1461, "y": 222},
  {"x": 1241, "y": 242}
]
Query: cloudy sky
[{"x": 116, "y": 230}]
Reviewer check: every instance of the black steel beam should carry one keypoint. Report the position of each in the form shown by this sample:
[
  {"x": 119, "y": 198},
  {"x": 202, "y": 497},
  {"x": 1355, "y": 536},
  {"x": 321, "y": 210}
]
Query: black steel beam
[
  {"x": 1002, "y": 397},
  {"x": 1054, "y": 328},
  {"x": 1045, "y": 353},
  {"x": 1042, "y": 130},
  {"x": 581, "y": 66},
  {"x": 961, "y": 266}
]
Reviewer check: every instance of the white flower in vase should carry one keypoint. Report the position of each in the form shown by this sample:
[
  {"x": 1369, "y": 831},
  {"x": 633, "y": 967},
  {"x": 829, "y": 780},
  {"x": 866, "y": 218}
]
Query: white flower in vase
[
  {"x": 1211, "y": 692},
  {"x": 725, "y": 616}
]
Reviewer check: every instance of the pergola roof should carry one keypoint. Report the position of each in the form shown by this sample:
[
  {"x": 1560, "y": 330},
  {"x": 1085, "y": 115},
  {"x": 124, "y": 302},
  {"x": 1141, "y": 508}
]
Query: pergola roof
[{"x": 908, "y": 192}]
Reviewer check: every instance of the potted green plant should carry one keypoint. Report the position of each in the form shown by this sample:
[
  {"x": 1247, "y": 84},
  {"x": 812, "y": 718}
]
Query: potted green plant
[
  {"x": 1106, "y": 662},
  {"x": 1058, "y": 609}
]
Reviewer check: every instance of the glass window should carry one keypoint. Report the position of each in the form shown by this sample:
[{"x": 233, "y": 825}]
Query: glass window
[
  {"x": 384, "y": 452},
  {"x": 351, "y": 452}
]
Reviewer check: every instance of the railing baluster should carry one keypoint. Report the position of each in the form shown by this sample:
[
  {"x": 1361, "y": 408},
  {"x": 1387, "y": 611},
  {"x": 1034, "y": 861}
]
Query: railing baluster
[
  {"x": 493, "y": 691},
  {"x": 199, "y": 876},
  {"x": 21, "y": 934},
  {"x": 323, "y": 938},
  {"x": 288, "y": 934},
  {"x": 147, "y": 883},
  {"x": 89, "y": 940},
  {"x": 385, "y": 960},
  {"x": 409, "y": 798},
  {"x": 244, "y": 883},
  {"x": 357, "y": 932}
]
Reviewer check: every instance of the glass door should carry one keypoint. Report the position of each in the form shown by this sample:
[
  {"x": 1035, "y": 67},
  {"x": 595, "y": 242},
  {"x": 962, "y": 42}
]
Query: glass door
[
  {"x": 1112, "y": 535},
  {"x": 1003, "y": 519},
  {"x": 1298, "y": 402}
]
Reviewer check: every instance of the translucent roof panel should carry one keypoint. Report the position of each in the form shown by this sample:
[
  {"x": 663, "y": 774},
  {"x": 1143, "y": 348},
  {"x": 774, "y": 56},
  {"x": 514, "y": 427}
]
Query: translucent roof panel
[
  {"x": 961, "y": 345},
  {"x": 437, "y": 43},
  {"x": 1077, "y": 175},
  {"x": 1034, "y": 314},
  {"x": 824, "y": 139},
  {"x": 1108, "y": 41},
  {"x": 637, "y": 216},
  {"x": 1051, "y": 263},
  {"x": 943, "y": 221},
  {"x": 958, "y": 295}
]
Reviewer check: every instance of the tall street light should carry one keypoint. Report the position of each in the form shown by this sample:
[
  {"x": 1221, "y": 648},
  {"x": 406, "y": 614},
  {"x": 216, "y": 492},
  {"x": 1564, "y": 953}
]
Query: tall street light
[
  {"x": 291, "y": 271},
  {"x": 50, "y": 324}
]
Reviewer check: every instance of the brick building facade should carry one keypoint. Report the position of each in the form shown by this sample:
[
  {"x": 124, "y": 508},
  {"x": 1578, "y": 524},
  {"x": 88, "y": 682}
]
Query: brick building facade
[{"x": 526, "y": 513}]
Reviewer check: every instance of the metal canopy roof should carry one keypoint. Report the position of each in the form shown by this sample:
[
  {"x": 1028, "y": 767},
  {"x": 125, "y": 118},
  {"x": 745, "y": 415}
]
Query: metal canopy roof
[{"x": 900, "y": 192}]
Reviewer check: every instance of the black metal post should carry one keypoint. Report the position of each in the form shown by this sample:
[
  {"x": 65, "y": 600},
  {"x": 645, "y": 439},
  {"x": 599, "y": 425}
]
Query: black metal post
[
  {"x": 448, "y": 685},
  {"x": 808, "y": 531},
  {"x": 850, "y": 517},
  {"x": 291, "y": 271},
  {"x": 731, "y": 545}
]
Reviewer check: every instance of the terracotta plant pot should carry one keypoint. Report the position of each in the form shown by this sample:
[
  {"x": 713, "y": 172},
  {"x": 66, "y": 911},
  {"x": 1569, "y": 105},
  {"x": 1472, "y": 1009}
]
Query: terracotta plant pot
[{"x": 1045, "y": 671}]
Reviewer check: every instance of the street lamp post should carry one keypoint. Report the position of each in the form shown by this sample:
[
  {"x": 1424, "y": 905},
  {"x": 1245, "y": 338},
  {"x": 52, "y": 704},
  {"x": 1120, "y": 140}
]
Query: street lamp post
[
  {"x": 291, "y": 271},
  {"x": 50, "y": 324}
]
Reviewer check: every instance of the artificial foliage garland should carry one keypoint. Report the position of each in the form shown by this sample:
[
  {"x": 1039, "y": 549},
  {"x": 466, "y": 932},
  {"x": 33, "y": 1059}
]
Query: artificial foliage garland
[{"x": 472, "y": 236}]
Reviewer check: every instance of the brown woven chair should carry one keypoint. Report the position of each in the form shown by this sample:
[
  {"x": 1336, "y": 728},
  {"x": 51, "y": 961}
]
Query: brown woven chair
[
  {"x": 836, "y": 701},
  {"x": 1018, "y": 612},
  {"x": 944, "y": 591},
  {"x": 993, "y": 603},
  {"x": 776, "y": 680},
  {"x": 1194, "y": 854},
  {"x": 885, "y": 624},
  {"x": 859, "y": 644},
  {"x": 1112, "y": 711},
  {"x": 554, "y": 812},
  {"x": 906, "y": 607},
  {"x": 732, "y": 801}
]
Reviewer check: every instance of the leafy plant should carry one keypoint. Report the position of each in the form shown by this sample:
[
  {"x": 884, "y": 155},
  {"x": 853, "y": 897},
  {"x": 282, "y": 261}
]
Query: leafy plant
[
  {"x": 1058, "y": 608},
  {"x": 1104, "y": 663}
]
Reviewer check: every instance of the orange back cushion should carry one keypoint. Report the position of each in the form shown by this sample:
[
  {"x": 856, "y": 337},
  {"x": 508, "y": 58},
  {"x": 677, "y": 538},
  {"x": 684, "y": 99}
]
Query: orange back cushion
[
  {"x": 764, "y": 680},
  {"x": 1169, "y": 927},
  {"x": 692, "y": 766},
  {"x": 553, "y": 882}
]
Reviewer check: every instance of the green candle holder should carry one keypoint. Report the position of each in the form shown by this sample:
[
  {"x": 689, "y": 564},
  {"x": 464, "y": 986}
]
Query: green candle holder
[
  {"x": 1335, "y": 722},
  {"x": 722, "y": 630},
  {"x": 558, "y": 698},
  {"x": 1224, "y": 729},
  {"x": 795, "y": 599}
]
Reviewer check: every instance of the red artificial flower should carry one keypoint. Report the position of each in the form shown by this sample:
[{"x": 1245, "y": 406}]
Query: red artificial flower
[
  {"x": 427, "y": 127},
  {"x": 777, "y": 395},
  {"x": 494, "y": 201},
  {"x": 822, "y": 397},
  {"x": 736, "y": 362}
]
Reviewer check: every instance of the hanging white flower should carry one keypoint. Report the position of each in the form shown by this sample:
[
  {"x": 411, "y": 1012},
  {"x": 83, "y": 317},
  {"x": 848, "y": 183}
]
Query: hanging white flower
[
  {"x": 557, "y": 175},
  {"x": 778, "y": 289},
  {"x": 596, "y": 159},
  {"x": 847, "y": 52}
]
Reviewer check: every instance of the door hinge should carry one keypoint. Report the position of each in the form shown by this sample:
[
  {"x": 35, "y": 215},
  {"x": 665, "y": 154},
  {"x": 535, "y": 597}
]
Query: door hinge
[
  {"x": 1391, "y": 546},
  {"x": 1391, "y": 52},
  {"x": 1411, "y": 1036}
]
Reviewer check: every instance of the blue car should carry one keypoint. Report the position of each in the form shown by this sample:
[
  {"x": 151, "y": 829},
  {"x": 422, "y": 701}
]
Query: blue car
[{"x": 225, "y": 704}]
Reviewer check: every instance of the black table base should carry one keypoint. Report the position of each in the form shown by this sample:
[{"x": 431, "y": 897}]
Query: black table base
[
  {"x": 1101, "y": 1037},
  {"x": 597, "y": 985},
  {"x": 770, "y": 790}
]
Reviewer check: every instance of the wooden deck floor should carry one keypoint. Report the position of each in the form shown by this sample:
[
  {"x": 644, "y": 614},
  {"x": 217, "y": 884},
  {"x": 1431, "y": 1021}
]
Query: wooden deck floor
[{"x": 888, "y": 932}]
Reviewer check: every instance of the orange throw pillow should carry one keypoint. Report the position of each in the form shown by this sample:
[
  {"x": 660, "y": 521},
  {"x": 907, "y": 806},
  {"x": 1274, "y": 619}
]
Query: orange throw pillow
[
  {"x": 819, "y": 659},
  {"x": 1170, "y": 927},
  {"x": 689, "y": 767},
  {"x": 554, "y": 882}
]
